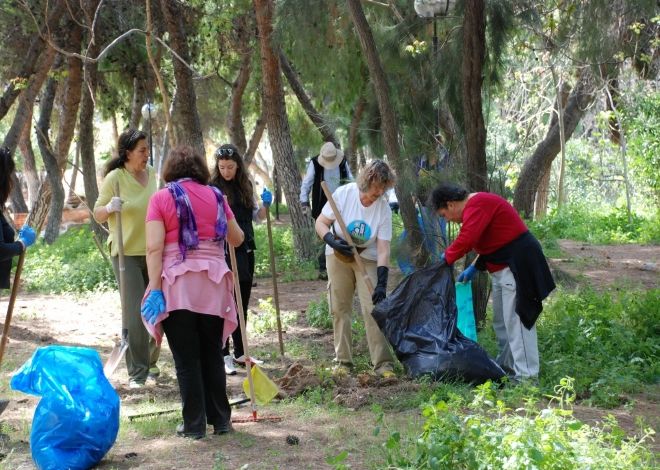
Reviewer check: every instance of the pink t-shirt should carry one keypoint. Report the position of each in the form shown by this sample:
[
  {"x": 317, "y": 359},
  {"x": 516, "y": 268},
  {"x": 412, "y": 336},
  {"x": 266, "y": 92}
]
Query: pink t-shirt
[{"x": 204, "y": 206}]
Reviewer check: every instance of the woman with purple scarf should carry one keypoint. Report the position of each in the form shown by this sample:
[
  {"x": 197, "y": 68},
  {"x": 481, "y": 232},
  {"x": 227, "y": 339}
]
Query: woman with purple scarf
[{"x": 190, "y": 292}]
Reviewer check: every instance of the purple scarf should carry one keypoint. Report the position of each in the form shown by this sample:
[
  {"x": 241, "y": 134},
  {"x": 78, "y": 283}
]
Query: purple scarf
[{"x": 188, "y": 236}]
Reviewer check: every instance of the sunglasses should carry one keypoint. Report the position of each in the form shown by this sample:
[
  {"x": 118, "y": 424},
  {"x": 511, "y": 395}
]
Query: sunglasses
[{"x": 224, "y": 152}]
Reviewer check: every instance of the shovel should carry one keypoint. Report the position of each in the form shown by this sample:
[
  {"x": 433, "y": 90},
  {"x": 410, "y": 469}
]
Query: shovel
[{"x": 120, "y": 346}]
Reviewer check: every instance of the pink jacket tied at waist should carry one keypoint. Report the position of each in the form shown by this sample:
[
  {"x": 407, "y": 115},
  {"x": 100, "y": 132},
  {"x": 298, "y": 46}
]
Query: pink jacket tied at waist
[{"x": 202, "y": 283}]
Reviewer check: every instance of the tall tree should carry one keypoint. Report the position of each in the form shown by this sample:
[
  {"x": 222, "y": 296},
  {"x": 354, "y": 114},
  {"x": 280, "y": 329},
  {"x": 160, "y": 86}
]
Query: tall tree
[
  {"x": 474, "y": 51},
  {"x": 389, "y": 128},
  {"x": 278, "y": 130}
]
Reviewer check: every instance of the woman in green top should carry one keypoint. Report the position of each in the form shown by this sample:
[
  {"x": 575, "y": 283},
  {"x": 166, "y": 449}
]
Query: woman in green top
[{"x": 137, "y": 183}]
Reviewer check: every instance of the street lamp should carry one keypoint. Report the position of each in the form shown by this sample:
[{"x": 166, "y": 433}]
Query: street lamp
[
  {"x": 433, "y": 9},
  {"x": 148, "y": 110}
]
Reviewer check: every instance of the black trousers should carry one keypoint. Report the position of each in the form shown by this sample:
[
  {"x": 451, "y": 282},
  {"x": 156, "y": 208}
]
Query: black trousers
[
  {"x": 236, "y": 336},
  {"x": 195, "y": 340}
]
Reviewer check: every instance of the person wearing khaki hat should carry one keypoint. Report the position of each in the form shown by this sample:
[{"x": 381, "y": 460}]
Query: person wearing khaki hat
[{"x": 329, "y": 166}]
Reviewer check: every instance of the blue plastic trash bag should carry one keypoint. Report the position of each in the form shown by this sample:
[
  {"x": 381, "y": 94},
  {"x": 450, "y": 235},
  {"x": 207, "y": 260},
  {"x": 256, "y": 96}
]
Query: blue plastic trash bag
[
  {"x": 77, "y": 419},
  {"x": 465, "y": 307}
]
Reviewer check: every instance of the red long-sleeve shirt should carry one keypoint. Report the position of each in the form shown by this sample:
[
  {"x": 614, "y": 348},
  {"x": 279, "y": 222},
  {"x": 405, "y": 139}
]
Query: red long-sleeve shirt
[{"x": 489, "y": 223}]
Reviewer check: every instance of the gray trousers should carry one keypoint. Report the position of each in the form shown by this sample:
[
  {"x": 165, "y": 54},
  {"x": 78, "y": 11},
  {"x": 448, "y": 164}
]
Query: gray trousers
[
  {"x": 142, "y": 350},
  {"x": 518, "y": 348}
]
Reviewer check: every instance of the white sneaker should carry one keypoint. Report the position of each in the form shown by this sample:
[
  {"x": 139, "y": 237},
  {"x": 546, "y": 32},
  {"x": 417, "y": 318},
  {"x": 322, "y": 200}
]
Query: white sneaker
[{"x": 229, "y": 365}]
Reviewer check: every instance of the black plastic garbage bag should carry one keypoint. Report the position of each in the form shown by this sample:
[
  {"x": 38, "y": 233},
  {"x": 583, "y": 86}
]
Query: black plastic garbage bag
[
  {"x": 77, "y": 418},
  {"x": 419, "y": 320}
]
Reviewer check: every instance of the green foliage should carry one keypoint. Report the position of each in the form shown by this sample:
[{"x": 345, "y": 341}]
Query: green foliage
[
  {"x": 289, "y": 267},
  {"x": 584, "y": 223},
  {"x": 318, "y": 314},
  {"x": 72, "y": 264},
  {"x": 609, "y": 343},
  {"x": 484, "y": 433},
  {"x": 266, "y": 319}
]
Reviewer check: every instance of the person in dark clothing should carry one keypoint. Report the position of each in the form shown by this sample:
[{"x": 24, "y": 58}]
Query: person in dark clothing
[
  {"x": 9, "y": 245},
  {"x": 229, "y": 175},
  {"x": 329, "y": 166},
  {"x": 520, "y": 273}
]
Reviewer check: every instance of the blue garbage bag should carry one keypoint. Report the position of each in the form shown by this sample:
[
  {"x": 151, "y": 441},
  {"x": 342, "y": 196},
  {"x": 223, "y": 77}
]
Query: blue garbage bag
[{"x": 77, "y": 419}]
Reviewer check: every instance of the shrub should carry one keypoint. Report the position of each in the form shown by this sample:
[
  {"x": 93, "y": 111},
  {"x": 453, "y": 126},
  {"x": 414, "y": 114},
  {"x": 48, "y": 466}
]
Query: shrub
[
  {"x": 318, "y": 314},
  {"x": 72, "y": 264}
]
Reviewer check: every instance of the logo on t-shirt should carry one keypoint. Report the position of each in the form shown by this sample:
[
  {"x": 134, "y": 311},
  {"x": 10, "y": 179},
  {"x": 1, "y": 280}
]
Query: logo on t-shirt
[{"x": 360, "y": 231}]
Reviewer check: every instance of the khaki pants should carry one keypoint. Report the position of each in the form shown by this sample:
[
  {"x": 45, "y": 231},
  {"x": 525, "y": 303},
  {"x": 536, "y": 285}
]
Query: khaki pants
[
  {"x": 343, "y": 278},
  {"x": 142, "y": 352},
  {"x": 518, "y": 348}
]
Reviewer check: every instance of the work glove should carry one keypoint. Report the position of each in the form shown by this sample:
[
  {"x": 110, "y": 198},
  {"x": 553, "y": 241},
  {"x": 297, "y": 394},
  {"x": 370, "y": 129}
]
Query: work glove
[
  {"x": 306, "y": 210},
  {"x": 380, "y": 292},
  {"x": 468, "y": 274},
  {"x": 27, "y": 236},
  {"x": 266, "y": 197},
  {"x": 114, "y": 205},
  {"x": 338, "y": 244},
  {"x": 153, "y": 305}
]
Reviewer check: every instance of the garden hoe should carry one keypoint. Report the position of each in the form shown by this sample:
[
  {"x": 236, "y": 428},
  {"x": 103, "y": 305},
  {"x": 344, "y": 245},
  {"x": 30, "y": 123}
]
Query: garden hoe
[
  {"x": 10, "y": 310},
  {"x": 120, "y": 346},
  {"x": 251, "y": 368}
]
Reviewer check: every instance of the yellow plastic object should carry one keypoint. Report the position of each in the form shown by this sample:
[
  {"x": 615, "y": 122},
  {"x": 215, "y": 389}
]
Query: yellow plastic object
[{"x": 264, "y": 388}]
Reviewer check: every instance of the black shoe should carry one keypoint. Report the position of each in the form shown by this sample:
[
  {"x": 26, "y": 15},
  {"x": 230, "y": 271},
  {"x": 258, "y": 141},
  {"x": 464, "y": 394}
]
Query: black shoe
[
  {"x": 190, "y": 435},
  {"x": 323, "y": 275},
  {"x": 222, "y": 428}
]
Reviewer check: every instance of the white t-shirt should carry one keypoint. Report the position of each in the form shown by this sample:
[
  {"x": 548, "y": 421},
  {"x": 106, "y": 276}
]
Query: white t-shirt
[{"x": 365, "y": 224}]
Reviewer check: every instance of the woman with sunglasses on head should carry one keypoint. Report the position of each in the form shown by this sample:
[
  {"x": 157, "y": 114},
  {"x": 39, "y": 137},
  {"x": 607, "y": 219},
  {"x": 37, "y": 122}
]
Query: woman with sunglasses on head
[
  {"x": 230, "y": 176},
  {"x": 137, "y": 183}
]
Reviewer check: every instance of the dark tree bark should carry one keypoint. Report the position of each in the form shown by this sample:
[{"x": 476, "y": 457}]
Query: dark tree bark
[
  {"x": 389, "y": 126},
  {"x": 30, "y": 65},
  {"x": 474, "y": 51},
  {"x": 138, "y": 100},
  {"x": 278, "y": 130},
  {"x": 258, "y": 132},
  {"x": 538, "y": 164},
  {"x": 243, "y": 28},
  {"x": 186, "y": 126},
  {"x": 326, "y": 130},
  {"x": 86, "y": 131}
]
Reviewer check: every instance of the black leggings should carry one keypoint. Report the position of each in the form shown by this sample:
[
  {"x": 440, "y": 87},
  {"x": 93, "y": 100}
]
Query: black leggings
[{"x": 195, "y": 340}]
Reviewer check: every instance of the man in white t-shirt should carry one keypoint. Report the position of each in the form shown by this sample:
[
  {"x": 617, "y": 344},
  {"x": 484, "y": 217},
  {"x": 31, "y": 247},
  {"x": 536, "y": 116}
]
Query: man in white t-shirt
[{"x": 368, "y": 218}]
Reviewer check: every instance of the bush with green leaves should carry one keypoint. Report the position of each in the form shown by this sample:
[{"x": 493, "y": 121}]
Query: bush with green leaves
[
  {"x": 72, "y": 264},
  {"x": 288, "y": 266},
  {"x": 266, "y": 319},
  {"x": 318, "y": 314},
  {"x": 484, "y": 433},
  {"x": 608, "y": 341}
]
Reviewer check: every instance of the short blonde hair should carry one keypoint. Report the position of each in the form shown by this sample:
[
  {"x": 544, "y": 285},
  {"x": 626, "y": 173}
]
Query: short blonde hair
[{"x": 376, "y": 172}]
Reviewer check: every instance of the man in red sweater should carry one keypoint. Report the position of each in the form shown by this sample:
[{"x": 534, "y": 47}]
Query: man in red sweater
[{"x": 521, "y": 276}]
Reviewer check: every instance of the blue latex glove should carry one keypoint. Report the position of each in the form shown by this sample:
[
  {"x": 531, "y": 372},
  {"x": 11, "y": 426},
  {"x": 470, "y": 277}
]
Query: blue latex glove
[
  {"x": 153, "y": 305},
  {"x": 27, "y": 236},
  {"x": 266, "y": 197},
  {"x": 468, "y": 274}
]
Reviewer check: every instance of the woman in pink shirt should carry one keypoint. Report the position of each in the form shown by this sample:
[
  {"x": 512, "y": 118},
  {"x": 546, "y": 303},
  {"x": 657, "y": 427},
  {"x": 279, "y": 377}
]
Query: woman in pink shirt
[{"x": 189, "y": 296}]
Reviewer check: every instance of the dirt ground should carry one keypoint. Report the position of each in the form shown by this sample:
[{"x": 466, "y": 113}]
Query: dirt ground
[{"x": 93, "y": 321}]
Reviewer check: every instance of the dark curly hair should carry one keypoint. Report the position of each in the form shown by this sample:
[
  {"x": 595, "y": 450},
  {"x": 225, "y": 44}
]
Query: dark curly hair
[
  {"x": 444, "y": 193},
  {"x": 7, "y": 167},
  {"x": 184, "y": 162},
  {"x": 241, "y": 184},
  {"x": 128, "y": 140}
]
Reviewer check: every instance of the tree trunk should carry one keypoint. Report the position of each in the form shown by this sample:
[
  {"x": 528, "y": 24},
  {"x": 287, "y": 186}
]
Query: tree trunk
[
  {"x": 30, "y": 64},
  {"x": 72, "y": 197},
  {"x": 136, "y": 102},
  {"x": 258, "y": 132},
  {"x": 326, "y": 130},
  {"x": 185, "y": 119},
  {"x": 40, "y": 208},
  {"x": 351, "y": 150},
  {"x": 390, "y": 132},
  {"x": 29, "y": 162},
  {"x": 23, "y": 113},
  {"x": 474, "y": 51},
  {"x": 243, "y": 33},
  {"x": 535, "y": 167},
  {"x": 86, "y": 134},
  {"x": 278, "y": 131}
]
